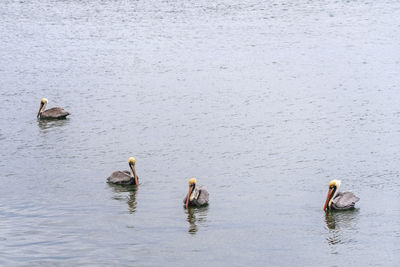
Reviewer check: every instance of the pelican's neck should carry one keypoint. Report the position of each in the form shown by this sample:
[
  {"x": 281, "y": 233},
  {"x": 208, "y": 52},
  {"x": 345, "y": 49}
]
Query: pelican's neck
[
  {"x": 191, "y": 197},
  {"x": 334, "y": 194},
  {"x": 43, "y": 107},
  {"x": 132, "y": 171},
  {"x": 134, "y": 175}
]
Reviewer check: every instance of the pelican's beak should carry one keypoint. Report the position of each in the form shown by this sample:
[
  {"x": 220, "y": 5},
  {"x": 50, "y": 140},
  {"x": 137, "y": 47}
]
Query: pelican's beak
[
  {"x": 40, "y": 109},
  {"x": 328, "y": 198},
  {"x": 188, "y": 196}
]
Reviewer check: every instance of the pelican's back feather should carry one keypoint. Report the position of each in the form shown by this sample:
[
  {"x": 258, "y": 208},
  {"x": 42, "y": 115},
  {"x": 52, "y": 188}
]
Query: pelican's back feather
[
  {"x": 54, "y": 113},
  {"x": 202, "y": 199},
  {"x": 344, "y": 200},
  {"x": 120, "y": 177}
]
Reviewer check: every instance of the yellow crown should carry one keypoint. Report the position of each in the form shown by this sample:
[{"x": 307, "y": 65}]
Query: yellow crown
[
  {"x": 192, "y": 181},
  {"x": 131, "y": 160},
  {"x": 334, "y": 183},
  {"x": 44, "y": 100}
]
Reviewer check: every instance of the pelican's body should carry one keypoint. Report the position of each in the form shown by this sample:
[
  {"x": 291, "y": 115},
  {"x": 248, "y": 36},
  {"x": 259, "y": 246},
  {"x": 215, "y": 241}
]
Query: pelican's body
[
  {"x": 197, "y": 196},
  {"x": 336, "y": 200},
  {"x": 125, "y": 177},
  {"x": 55, "y": 113},
  {"x": 121, "y": 177}
]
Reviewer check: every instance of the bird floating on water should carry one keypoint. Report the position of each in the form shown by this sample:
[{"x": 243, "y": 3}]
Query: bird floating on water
[
  {"x": 336, "y": 200},
  {"x": 52, "y": 113},
  {"x": 125, "y": 177},
  {"x": 196, "y": 196}
]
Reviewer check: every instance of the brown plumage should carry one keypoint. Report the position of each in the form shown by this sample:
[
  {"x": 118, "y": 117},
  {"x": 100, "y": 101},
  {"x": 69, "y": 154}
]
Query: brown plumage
[
  {"x": 54, "y": 113},
  {"x": 122, "y": 178}
]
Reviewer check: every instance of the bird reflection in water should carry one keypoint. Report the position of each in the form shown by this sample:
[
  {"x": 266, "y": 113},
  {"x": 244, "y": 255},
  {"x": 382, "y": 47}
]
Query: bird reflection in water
[
  {"x": 338, "y": 223},
  {"x": 120, "y": 194},
  {"x": 47, "y": 124},
  {"x": 195, "y": 216}
]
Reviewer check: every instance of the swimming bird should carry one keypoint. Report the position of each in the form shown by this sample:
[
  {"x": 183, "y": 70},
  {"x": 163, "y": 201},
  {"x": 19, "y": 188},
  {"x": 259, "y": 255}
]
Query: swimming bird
[
  {"x": 125, "y": 177},
  {"x": 52, "y": 113},
  {"x": 196, "y": 196},
  {"x": 336, "y": 200}
]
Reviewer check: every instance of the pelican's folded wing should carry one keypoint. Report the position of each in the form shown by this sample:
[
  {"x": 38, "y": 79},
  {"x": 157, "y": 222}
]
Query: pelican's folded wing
[
  {"x": 119, "y": 177},
  {"x": 345, "y": 200},
  {"x": 55, "y": 113},
  {"x": 202, "y": 198}
]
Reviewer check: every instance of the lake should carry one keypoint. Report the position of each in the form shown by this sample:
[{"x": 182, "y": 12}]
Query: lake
[{"x": 264, "y": 102}]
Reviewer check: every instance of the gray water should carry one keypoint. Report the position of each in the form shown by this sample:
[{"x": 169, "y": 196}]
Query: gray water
[{"x": 263, "y": 101}]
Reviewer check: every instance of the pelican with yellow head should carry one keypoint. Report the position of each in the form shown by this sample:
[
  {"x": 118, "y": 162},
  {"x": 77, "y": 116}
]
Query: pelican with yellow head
[
  {"x": 197, "y": 196},
  {"x": 125, "y": 177},
  {"x": 336, "y": 200},
  {"x": 55, "y": 113}
]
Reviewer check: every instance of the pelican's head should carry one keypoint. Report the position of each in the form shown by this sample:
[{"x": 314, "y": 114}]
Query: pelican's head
[
  {"x": 192, "y": 182},
  {"x": 333, "y": 189},
  {"x": 43, "y": 103},
  {"x": 131, "y": 162},
  {"x": 334, "y": 183}
]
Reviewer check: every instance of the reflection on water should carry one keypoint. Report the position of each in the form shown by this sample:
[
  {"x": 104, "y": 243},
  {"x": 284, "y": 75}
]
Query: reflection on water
[
  {"x": 338, "y": 222},
  {"x": 47, "y": 124},
  {"x": 196, "y": 216},
  {"x": 120, "y": 191}
]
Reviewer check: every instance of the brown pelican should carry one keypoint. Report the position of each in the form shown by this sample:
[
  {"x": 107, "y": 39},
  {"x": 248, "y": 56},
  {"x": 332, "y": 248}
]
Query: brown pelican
[
  {"x": 125, "y": 177},
  {"x": 336, "y": 200},
  {"x": 196, "y": 196},
  {"x": 53, "y": 113}
]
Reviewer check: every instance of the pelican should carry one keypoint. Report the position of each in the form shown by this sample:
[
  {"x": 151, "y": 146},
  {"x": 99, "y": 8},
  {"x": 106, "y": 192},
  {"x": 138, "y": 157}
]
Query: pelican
[
  {"x": 196, "y": 196},
  {"x": 53, "y": 113},
  {"x": 336, "y": 200},
  {"x": 125, "y": 177}
]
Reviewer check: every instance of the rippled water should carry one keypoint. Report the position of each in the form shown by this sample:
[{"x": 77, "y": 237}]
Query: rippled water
[{"x": 263, "y": 101}]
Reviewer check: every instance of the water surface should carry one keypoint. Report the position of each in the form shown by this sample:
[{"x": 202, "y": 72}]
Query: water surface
[{"x": 263, "y": 101}]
